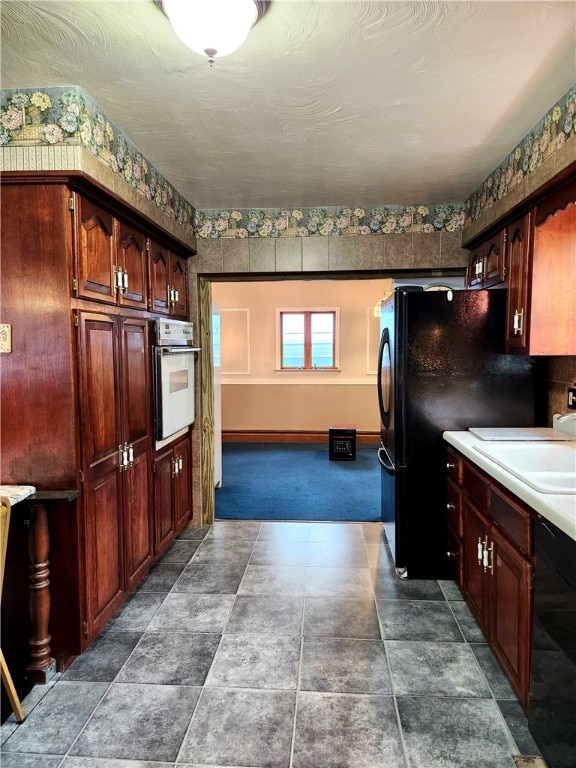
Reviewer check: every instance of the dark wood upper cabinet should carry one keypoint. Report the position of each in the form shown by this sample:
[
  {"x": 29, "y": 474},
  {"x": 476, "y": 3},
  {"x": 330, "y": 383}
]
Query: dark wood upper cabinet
[
  {"x": 518, "y": 243},
  {"x": 168, "y": 276},
  {"x": 132, "y": 264},
  {"x": 95, "y": 251},
  {"x": 488, "y": 263},
  {"x": 534, "y": 256}
]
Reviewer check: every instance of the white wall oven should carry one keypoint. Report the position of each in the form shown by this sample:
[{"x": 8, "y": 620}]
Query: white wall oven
[{"x": 174, "y": 357}]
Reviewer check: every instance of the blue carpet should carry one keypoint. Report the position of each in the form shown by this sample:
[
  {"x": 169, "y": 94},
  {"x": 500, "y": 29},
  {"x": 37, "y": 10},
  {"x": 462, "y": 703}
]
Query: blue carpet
[{"x": 288, "y": 481}]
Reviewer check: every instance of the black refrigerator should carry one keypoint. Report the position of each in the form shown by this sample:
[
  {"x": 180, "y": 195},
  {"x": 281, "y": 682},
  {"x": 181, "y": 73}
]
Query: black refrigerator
[{"x": 441, "y": 366}]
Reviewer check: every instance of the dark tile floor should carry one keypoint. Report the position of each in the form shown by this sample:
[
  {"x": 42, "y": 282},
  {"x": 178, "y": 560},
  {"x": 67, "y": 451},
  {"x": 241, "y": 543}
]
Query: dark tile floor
[{"x": 278, "y": 645}]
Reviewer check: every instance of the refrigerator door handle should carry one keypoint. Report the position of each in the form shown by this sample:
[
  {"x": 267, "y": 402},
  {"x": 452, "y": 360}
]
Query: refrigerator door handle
[{"x": 386, "y": 460}]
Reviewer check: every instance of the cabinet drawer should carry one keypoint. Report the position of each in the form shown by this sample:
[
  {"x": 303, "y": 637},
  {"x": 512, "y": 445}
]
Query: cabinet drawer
[
  {"x": 454, "y": 508},
  {"x": 514, "y": 521},
  {"x": 475, "y": 485},
  {"x": 454, "y": 466}
]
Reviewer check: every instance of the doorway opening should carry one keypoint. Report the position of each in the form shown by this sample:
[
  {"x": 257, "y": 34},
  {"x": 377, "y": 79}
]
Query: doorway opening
[{"x": 276, "y": 412}]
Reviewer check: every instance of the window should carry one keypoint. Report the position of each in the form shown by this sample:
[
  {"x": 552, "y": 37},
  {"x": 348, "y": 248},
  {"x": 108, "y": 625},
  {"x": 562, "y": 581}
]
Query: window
[{"x": 307, "y": 339}]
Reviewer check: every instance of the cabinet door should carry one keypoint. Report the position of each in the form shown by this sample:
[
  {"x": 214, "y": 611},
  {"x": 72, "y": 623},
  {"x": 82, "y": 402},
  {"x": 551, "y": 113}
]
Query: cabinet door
[
  {"x": 511, "y": 613},
  {"x": 98, "y": 355},
  {"x": 178, "y": 271},
  {"x": 159, "y": 278},
  {"x": 476, "y": 529},
  {"x": 95, "y": 251},
  {"x": 136, "y": 434},
  {"x": 135, "y": 382},
  {"x": 132, "y": 258},
  {"x": 182, "y": 484},
  {"x": 163, "y": 501},
  {"x": 475, "y": 271},
  {"x": 137, "y": 518},
  {"x": 494, "y": 264},
  {"x": 553, "y": 299},
  {"x": 518, "y": 237}
]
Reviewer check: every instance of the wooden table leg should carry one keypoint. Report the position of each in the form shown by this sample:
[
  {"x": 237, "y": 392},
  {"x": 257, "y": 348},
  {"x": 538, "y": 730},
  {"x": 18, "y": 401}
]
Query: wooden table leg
[{"x": 42, "y": 666}]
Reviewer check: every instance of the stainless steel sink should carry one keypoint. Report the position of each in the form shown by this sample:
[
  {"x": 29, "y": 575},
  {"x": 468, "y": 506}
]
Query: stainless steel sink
[{"x": 546, "y": 467}]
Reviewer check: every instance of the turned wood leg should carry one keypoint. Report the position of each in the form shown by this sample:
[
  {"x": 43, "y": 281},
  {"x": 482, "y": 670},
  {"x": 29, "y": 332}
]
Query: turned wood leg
[{"x": 42, "y": 666}]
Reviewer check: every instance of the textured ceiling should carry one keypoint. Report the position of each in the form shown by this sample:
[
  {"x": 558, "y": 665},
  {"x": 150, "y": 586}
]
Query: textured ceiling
[{"x": 327, "y": 103}]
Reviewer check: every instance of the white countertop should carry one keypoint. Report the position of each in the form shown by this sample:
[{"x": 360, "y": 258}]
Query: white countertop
[
  {"x": 559, "y": 509},
  {"x": 16, "y": 493}
]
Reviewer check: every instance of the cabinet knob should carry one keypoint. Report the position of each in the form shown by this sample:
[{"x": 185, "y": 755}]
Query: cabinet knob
[
  {"x": 450, "y": 506},
  {"x": 450, "y": 465},
  {"x": 451, "y": 554}
]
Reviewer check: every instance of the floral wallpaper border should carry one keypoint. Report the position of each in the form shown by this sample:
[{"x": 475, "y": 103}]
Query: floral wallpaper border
[
  {"x": 548, "y": 136},
  {"x": 305, "y": 222},
  {"x": 67, "y": 115}
]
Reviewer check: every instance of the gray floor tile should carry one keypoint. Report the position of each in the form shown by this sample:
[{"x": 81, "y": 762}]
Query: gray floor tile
[
  {"x": 343, "y": 553},
  {"x": 234, "y": 530},
  {"x": 137, "y": 612},
  {"x": 467, "y": 622},
  {"x": 102, "y": 661},
  {"x": 284, "y": 532},
  {"x": 346, "y": 731},
  {"x": 344, "y": 666},
  {"x": 517, "y": 722},
  {"x": 95, "y": 762},
  {"x": 256, "y": 661},
  {"x": 195, "y": 533},
  {"x": 388, "y": 586},
  {"x": 280, "y": 552},
  {"x": 287, "y": 580},
  {"x": 458, "y": 709},
  {"x": 210, "y": 578},
  {"x": 171, "y": 658},
  {"x": 54, "y": 724},
  {"x": 334, "y": 617},
  {"x": 497, "y": 680},
  {"x": 434, "y": 669},
  {"x": 379, "y": 556},
  {"x": 181, "y": 551},
  {"x": 372, "y": 531},
  {"x": 418, "y": 620},
  {"x": 240, "y": 727},
  {"x": 196, "y": 613},
  {"x": 30, "y": 761},
  {"x": 139, "y": 722},
  {"x": 337, "y": 532},
  {"x": 266, "y": 615},
  {"x": 451, "y": 590},
  {"x": 223, "y": 551},
  {"x": 445, "y": 733},
  {"x": 339, "y": 582},
  {"x": 162, "y": 578}
]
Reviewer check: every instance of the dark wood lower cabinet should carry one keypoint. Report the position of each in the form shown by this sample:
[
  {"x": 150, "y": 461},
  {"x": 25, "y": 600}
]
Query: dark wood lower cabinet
[
  {"x": 496, "y": 550},
  {"x": 172, "y": 492}
]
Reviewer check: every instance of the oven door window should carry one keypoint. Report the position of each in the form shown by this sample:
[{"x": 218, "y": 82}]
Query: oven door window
[{"x": 175, "y": 392}]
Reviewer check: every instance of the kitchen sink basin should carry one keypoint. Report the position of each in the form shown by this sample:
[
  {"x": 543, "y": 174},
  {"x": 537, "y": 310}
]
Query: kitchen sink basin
[{"x": 546, "y": 467}]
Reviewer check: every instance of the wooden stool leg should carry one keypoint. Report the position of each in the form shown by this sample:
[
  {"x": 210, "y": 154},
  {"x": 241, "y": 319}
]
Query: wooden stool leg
[{"x": 11, "y": 690}]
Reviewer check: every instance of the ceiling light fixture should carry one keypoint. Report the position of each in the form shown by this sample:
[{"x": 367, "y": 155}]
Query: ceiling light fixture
[{"x": 213, "y": 27}]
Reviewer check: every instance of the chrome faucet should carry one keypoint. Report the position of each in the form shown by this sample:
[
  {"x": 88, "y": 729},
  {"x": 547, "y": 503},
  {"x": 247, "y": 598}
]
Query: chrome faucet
[
  {"x": 565, "y": 422},
  {"x": 565, "y": 417}
]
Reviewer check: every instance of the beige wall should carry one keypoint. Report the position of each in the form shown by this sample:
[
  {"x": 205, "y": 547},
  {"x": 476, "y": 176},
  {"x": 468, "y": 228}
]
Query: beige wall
[{"x": 256, "y": 396}]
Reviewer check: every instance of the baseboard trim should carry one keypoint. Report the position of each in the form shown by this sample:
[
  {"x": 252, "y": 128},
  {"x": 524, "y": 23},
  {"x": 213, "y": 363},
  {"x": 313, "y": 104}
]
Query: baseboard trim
[{"x": 262, "y": 436}]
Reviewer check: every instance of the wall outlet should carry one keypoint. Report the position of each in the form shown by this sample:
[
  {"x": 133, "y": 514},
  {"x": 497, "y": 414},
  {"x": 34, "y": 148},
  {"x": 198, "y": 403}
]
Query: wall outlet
[{"x": 572, "y": 398}]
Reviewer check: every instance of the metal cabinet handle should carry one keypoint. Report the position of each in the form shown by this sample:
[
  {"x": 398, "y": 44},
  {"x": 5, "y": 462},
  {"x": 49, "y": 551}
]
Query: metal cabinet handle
[
  {"x": 480, "y": 551},
  {"x": 517, "y": 322}
]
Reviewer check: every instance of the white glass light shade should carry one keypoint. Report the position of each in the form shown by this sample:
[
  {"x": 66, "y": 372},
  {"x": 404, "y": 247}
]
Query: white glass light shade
[{"x": 211, "y": 27}]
